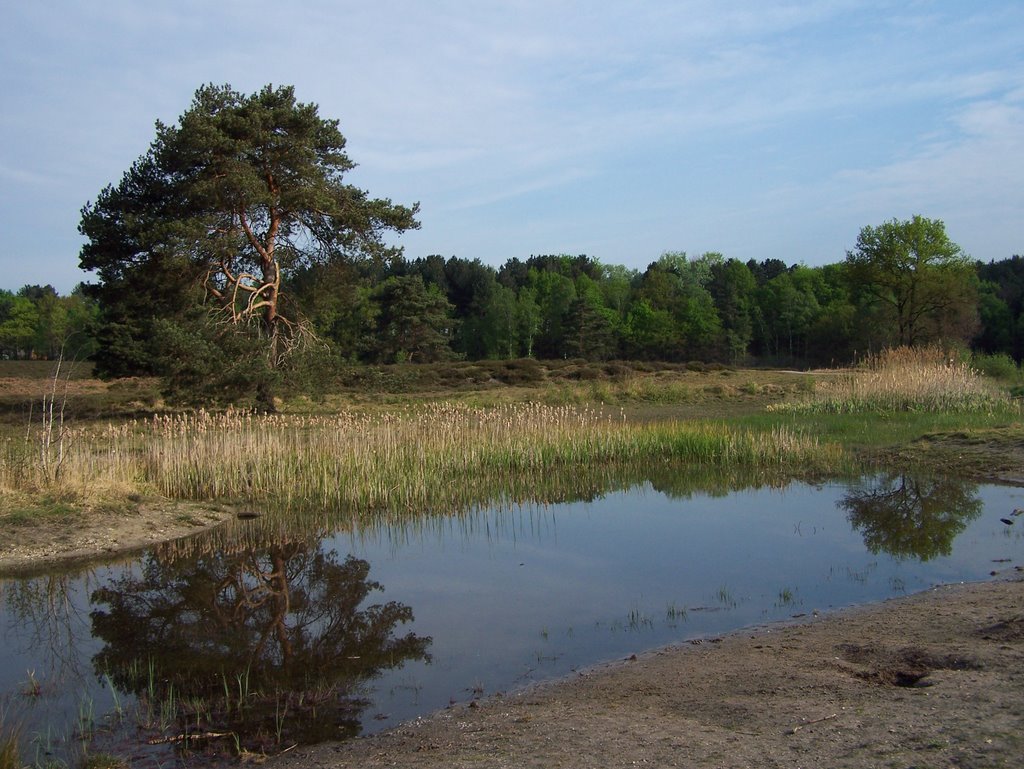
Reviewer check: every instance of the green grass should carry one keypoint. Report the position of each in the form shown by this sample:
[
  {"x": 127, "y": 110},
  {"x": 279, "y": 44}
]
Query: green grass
[
  {"x": 28, "y": 512},
  {"x": 872, "y": 430}
]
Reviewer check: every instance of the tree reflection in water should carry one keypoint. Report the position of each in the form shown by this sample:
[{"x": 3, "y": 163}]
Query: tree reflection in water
[
  {"x": 265, "y": 646},
  {"x": 907, "y": 516}
]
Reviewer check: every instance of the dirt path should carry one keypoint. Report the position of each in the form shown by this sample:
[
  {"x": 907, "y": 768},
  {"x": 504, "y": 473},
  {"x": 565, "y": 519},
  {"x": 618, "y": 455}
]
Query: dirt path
[{"x": 932, "y": 680}]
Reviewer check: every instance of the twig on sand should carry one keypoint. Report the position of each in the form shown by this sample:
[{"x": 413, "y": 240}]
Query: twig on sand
[{"x": 798, "y": 727}]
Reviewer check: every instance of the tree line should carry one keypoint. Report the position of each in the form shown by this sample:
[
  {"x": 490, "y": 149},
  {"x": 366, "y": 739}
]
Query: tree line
[
  {"x": 233, "y": 254},
  {"x": 38, "y": 323},
  {"x": 707, "y": 308}
]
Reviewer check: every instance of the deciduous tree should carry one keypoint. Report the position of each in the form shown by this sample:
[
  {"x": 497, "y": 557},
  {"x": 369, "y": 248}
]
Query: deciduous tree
[{"x": 918, "y": 277}]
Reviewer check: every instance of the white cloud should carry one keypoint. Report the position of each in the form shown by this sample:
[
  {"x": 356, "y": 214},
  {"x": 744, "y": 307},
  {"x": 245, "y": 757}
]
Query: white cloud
[{"x": 667, "y": 120}]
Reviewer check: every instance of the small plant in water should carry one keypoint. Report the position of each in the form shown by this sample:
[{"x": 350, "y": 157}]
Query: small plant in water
[
  {"x": 104, "y": 761},
  {"x": 726, "y": 598},
  {"x": 10, "y": 755},
  {"x": 786, "y": 598},
  {"x": 675, "y": 613},
  {"x": 280, "y": 713},
  {"x": 32, "y": 687},
  {"x": 86, "y": 720},
  {"x": 638, "y": 620},
  {"x": 118, "y": 710}
]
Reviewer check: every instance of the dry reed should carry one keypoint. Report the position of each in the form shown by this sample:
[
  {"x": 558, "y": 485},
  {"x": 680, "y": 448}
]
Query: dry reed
[
  {"x": 923, "y": 379},
  {"x": 401, "y": 461}
]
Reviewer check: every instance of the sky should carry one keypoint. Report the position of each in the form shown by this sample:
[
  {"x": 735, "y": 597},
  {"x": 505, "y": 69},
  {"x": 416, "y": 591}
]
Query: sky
[{"x": 618, "y": 130}]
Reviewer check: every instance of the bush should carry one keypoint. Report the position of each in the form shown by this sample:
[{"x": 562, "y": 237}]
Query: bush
[
  {"x": 202, "y": 362},
  {"x": 617, "y": 370},
  {"x": 520, "y": 372},
  {"x": 999, "y": 366}
]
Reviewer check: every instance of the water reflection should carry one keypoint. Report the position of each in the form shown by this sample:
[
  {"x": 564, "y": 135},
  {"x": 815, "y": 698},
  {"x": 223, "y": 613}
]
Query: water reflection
[
  {"x": 48, "y": 620},
  {"x": 474, "y": 511},
  {"x": 272, "y": 631},
  {"x": 262, "y": 646},
  {"x": 908, "y": 516}
]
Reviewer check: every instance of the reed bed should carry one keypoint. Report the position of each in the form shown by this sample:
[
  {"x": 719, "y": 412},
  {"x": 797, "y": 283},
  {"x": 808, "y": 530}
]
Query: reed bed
[
  {"x": 924, "y": 379},
  {"x": 415, "y": 459},
  {"x": 515, "y": 502},
  {"x": 407, "y": 461}
]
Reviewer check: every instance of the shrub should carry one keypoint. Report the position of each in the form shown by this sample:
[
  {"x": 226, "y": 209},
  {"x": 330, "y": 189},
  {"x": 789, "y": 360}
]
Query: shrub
[
  {"x": 518, "y": 372},
  {"x": 1000, "y": 367},
  {"x": 617, "y": 370}
]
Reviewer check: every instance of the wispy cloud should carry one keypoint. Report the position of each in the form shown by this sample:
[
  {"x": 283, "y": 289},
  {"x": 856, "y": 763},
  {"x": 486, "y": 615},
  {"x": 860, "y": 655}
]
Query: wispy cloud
[
  {"x": 971, "y": 176},
  {"x": 642, "y": 126}
]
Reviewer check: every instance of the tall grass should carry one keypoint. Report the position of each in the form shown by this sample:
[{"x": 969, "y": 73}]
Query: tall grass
[
  {"x": 923, "y": 379},
  {"x": 404, "y": 460},
  {"x": 10, "y": 757},
  {"x": 407, "y": 460}
]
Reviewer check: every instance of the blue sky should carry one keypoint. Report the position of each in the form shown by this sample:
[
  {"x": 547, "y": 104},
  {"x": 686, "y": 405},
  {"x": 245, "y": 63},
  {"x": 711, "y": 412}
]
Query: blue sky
[{"x": 619, "y": 130}]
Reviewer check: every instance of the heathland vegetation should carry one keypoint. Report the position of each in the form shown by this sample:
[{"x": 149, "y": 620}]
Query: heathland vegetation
[{"x": 367, "y": 315}]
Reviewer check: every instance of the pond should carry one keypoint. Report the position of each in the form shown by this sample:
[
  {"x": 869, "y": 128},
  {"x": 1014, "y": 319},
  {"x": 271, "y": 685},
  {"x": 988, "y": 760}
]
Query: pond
[{"x": 298, "y": 628}]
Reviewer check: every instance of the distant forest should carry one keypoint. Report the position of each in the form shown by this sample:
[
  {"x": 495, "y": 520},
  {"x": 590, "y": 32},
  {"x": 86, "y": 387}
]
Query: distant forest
[{"x": 706, "y": 308}]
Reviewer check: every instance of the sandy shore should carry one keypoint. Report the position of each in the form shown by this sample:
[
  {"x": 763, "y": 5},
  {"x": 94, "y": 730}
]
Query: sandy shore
[{"x": 930, "y": 680}]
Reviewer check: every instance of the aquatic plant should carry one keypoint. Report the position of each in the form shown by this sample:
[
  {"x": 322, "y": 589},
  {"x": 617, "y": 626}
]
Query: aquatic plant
[
  {"x": 10, "y": 756},
  {"x": 406, "y": 460}
]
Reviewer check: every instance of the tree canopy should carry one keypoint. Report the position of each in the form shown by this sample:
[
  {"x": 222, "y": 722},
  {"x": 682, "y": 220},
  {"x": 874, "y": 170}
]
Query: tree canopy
[
  {"x": 228, "y": 203},
  {"x": 915, "y": 275}
]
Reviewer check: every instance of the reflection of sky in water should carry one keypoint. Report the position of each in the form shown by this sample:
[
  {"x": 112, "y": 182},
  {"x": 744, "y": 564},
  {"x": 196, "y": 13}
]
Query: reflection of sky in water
[
  {"x": 538, "y": 591},
  {"x": 534, "y": 592}
]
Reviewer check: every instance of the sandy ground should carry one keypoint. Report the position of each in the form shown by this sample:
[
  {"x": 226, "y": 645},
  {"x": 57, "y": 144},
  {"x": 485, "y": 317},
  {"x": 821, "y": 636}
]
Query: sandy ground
[
  {"x": 932, "y": 680},
  {"x": 49, "y": 542}
]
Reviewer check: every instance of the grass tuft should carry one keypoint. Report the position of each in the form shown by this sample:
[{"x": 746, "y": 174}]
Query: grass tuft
[{"x": 923, "y": 379}]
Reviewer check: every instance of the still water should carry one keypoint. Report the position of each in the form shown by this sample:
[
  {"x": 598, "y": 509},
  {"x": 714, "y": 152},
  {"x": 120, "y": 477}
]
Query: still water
[{"x": 272, "y": 632}]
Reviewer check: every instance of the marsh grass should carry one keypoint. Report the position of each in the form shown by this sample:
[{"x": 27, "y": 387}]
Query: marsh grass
[
  {"x": 10, "y": 751},
  {"x": 923, "y": 379},
  {"x": 413, "y": 460},
  {"x": 406, "y": 460}
]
